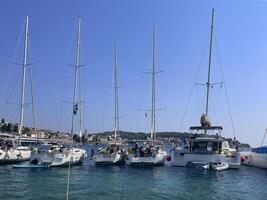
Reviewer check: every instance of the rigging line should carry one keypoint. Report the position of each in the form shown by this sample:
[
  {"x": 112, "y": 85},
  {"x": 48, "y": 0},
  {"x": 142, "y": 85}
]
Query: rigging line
[
  {"x": 81, "y": 105},
  {"x": 186, "y": 108},
  {"x": 31, "y": 87},
  {"x": 165, "y": 100},
  {"x": 65, "y": 81},
  {"x": 214, "y": 110},
  {"x": 226, "y": 93},
  {"x": 199, "y": 102},
  {"x": 10, "y": 71},
  {"x": 194, "y": 81},
  {"x": 69, "y": 51}
]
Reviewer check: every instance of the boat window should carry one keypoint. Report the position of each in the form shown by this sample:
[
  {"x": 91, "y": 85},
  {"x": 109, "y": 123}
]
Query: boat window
[{"x": 206, "y": 147}]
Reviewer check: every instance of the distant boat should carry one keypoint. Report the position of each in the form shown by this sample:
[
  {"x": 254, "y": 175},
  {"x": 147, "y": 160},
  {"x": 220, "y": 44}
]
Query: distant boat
[
  {"x": 257, "y": 157},
  {"x": 11, "y": 152},
  {"x": 112, "y": 154},
  {"x": 209, "y": 148},
  {"x": 150, "y": 152}
]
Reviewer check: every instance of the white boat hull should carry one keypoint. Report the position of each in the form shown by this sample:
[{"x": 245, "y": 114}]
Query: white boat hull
[
  {"x": 157, "y": 160},
  {"x": 182, "y": 159},
  {"x": 109, "y": 159},
  {"x": 15, "y": 155},
  {"x": 73, "y": 156},
  {"x": 254, "y": 159}
]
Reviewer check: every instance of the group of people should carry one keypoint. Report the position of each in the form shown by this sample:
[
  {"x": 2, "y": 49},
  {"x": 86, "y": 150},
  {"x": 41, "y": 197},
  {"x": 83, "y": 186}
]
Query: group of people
[
  {"x": 141, "y": 151},
  {"x": 5, "y": 145},
  {"x": 111, "y": 149}
]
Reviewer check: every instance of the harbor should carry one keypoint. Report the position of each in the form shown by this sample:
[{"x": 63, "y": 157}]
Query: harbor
[
  {"x": 123, "y": 182},
  {"x": 83, "y": 123}
]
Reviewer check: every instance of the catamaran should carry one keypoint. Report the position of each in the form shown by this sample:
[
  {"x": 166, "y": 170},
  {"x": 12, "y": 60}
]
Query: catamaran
[
  {"x": 149, "y": 152},
  {"x": 113, "y": 153},
  {"x": 209, "y": 150},
  {"x": 15, "y": 153}
]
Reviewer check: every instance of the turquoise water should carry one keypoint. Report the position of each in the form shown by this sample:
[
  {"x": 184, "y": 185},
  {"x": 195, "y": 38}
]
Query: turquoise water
[{"x": 103, "y": 183}]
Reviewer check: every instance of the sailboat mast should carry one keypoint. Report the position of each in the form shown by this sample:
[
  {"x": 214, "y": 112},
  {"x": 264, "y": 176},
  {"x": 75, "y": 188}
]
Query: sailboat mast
[
  {"x": 116, "y": 93},
  {"x": 77, "y": 66},
  {"x": 153, "y": 113},
  {"x": 23, "y": 78},
  {"x": 210, "y": 55},
  {"x": 81, "y": 108}
]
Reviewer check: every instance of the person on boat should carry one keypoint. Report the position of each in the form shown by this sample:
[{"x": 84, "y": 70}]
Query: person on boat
[
  {"x": 141, "y": 152},
  {"x": 136, "y": 148},
  {"x": 92, "y": 153},
  {"x": 148, "y": 151}
]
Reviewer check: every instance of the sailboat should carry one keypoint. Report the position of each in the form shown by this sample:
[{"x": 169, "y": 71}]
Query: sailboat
[
  {"x": 63, "y": 156},
  {"x": 113, "y": 153},
  {"x": 209, "y": 150},
  {"x": 257, "y": 157},
  {"x": 150, "y": 153},
  {"x": 19, "y": 153},
  {"x": 72, "y": 155}
]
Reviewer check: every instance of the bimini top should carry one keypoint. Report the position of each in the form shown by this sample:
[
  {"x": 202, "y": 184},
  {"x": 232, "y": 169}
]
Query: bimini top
[{"x": 260, "y": 150}]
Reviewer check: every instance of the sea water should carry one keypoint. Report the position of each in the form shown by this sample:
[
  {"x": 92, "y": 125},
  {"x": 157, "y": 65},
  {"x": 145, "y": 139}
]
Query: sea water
[{"x": 124, "y": 182}]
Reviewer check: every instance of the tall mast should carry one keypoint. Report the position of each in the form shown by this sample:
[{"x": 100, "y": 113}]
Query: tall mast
[
  {"x": 210, "y": 55},
  {"x": 116, "y": 96},
  {"x": 81, "y": 108},
  {"x": 77, "y": 66},
  {"x": 23, "y": 78},
  {"x": 153, "y": 108}
]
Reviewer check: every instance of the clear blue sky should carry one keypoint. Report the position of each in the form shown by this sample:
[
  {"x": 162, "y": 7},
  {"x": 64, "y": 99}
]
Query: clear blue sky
[{"x": 182, "y": 32}]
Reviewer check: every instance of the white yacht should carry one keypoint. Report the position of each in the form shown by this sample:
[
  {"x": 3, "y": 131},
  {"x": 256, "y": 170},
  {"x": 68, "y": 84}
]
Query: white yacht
[
  {"x": 112, "y": 154},
  {"x": 146, "y": 154},
  {"x": 206, "y": 148},
  {"x": 69, "y": 156},
  {"x": 55, "y": 155},
  {"x": 61, "y": 156},
  {"x": 257, "y": 157},
  {"x": 151, "y": 154},
  {"x": 15, "y": 153}
]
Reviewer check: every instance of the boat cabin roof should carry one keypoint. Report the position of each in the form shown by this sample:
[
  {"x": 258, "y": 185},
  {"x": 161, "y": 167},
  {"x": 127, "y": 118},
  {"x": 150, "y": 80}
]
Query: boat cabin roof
[{"x": 207, "y": 139}]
